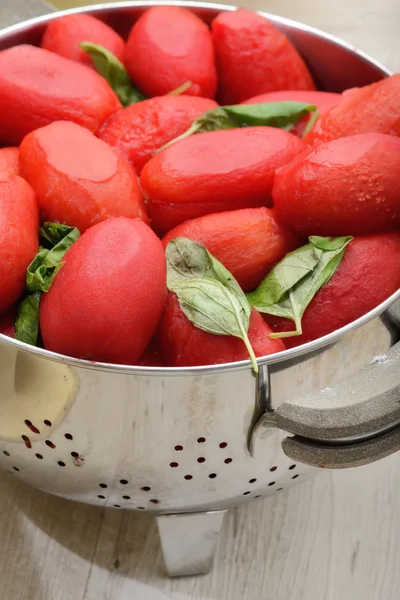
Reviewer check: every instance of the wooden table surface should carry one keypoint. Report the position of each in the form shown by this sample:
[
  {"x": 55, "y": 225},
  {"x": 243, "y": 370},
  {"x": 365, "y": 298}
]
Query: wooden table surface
[{"x": 335, "y": 538}]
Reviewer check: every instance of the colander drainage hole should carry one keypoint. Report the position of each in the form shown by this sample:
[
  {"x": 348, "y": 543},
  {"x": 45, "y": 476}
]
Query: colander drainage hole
[
  {"x": 188, "y": 477},
  {"x": 295, "y": 477},
  {"x": 16, "y": 469},
  {"x": 212, "y": 475},
  {"x": 27, "y": 441},
  {"x": 39, "y": 456},
  {"x": 101, "y": 497},
  {"x": 292, "y": 467},
  {"x": 47, "y": 423},
  {"x": 141, "y": 508},
  {"x": 246, "y": 493},
  {"x": 201, "y": 440},
  {"x": 61, "y": 463},
  {"x": 117, "y": 505},
  {"x": 174, "y": 465},
  {"x": 178, "y": 448},
  {"x": 123, "y": 481},
  {"x": 279, "y": 489},
  {"x": 68, "y": 436},
  {"x": 155, "y": 501},
  {"x": 126, "y": 497},
  {"x": 103, "y": 485},
  {"x": 272, "y": 469},
  {"x": 50, "y": 444},
  {"x": 227, "y": 461},
  {"x": 271, "y": 483},
  {"x": 223, "y": 445},
  {"x": 258, "y": 496},
  {"x": 201, "y": 459},
  {"x": 145, "y": 488},
  {"x": 252, "y": 480},
  {"x": 74, "y": 454},
  {"x": 6, "y": 453},
  {"x": 31, "y": 426}
]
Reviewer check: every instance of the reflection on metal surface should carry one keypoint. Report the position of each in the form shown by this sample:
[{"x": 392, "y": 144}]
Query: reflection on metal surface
[{"x": 32, "y": 391}]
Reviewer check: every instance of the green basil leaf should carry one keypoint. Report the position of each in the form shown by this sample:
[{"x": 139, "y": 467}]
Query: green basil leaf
[
  {"x": 114, "y": 72},
  {"x": 27, "y": 321},
  {"x": 311, "y": 122},
  {"x": 272, "y": 114},
  {"x": 54, "y": 232},
  {"x": 207, "y": 293},
  {"x": 294, "y": 301},
  {"x": 212, "y": 120},
  {"x": 329, "y": 243},
  {"x": 47, "y": 263},
  {"x": 289, "y": 271}
]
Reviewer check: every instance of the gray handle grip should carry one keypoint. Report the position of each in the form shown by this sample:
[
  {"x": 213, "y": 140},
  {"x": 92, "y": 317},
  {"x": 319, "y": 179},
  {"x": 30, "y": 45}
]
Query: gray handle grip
[{"x": 357, "y": 421}]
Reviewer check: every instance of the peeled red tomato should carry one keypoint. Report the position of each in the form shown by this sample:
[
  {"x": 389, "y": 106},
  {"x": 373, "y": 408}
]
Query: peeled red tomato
[
  {"x": 107, "y": 299},
  {"x": 141, "y": 129},
  {"x": 184, "y": 345},
  {"x": 65, "y": 34},
  {"x": 167, "y": 47},
  {"x": 19, "y": 237},
  {"x": 373, "y": 108},
  {"x": 78, "y": 179},
  {"x": 344, "y": 187},
  {"x": 248, "y": 242},
  {"x": 214, "y": 172},
  {"x": 9, "y": 162},
  {"x": 254, "y": 57},
  {"x": 368, "y": 274},
  {"x": 38, "y": 87}
]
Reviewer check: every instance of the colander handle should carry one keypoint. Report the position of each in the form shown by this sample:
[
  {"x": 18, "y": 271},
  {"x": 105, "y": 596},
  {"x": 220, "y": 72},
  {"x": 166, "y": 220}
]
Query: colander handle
[{"x": 353, "y": 423}]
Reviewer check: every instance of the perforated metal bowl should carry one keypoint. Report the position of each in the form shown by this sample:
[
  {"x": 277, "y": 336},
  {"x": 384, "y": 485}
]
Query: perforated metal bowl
[{"x": 185, "y": 444}]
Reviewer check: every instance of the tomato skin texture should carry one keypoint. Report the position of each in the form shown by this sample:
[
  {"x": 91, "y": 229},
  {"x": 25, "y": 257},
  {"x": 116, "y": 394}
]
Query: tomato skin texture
[
  {"x": 140, "y": 129},
  {"x": 167, "y": 47},
  {"x": 9, "y": 162},
  {"x": 19, "y": 237},
  {"x": 107, "y": 299},
  {"x": 324, "y": 101},
  {"x": 78, "y": 179},
  {"x": 7, "y": 322},
  {"x": 248, "y": 242},
  {"x": 214, "y": 172},
  {"x": 374, "y": 108},
  {"x": 184, "y": 345},
  {"x": 368, "y": 274},
  {"x": 253, "y": 58},
  {"x": 64, "y": 35},
  {"x": 38, "y": 87},
  {"x": 344, "y": 187}
]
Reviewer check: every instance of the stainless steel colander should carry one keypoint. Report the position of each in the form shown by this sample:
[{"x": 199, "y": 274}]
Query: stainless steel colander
[{"x": 186, "y": 444}]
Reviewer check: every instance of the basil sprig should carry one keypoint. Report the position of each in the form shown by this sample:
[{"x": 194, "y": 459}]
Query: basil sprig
[
  {"x": 40, "y": 275},
  {"x": 291, "y": 285},
  {"x": 207, "y": 293},
  {"x": 47, "y": 262},
  {"x": 108, "y": 65},
  {"x": 282, "y": 115}
]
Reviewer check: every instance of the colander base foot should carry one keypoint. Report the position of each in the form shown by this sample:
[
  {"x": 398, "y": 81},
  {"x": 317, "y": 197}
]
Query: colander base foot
[{"x": 189, "y": 541}]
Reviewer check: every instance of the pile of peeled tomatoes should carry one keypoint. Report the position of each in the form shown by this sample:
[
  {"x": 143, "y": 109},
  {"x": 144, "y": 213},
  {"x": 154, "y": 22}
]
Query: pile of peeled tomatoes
[{"x": 186, "y": 196}]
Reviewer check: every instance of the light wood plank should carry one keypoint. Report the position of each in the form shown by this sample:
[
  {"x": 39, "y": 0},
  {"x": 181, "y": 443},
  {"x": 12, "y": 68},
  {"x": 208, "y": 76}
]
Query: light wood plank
[{"x": 334, "y": 538}]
